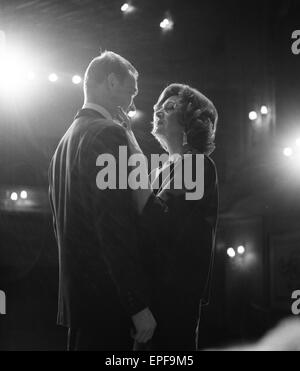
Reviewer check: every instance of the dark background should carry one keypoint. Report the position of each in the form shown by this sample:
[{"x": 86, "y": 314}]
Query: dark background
[{"x": 238, "y": 54}]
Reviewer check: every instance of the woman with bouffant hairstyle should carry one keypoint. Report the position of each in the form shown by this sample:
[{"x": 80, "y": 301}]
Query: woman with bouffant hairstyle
[
  {"x": 196, "y": 115},
  {"x": 178, "y": 234}
]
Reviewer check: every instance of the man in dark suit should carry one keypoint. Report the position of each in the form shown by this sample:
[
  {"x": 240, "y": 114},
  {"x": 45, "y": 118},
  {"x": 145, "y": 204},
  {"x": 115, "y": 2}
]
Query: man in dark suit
[{"x": 103, "y": 293}]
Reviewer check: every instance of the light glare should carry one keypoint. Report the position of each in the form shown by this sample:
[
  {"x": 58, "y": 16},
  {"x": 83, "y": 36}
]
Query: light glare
[
  {"x": 53, "y": 77},
  {"x": 76, "y": 79},
  {"x": 253, "y": 116},
  {"x": 167, "y": 24},
  {"x": 288, "y": 152},
  {"x": 125, "y": 7},
  {"x": 231, "y": 253},
  {"x": 31, "y": 76},
  {"x": 132, "y": 114},
  {"x": 264, "y": 110},
  {"x": 241, "y": 250},
  {"x": 24, "y": 195},
  {"x": 14, "y": 196}
]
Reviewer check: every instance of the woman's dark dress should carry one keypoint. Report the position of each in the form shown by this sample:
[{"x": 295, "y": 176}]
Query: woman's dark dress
[{"x": 178, "y": 239}]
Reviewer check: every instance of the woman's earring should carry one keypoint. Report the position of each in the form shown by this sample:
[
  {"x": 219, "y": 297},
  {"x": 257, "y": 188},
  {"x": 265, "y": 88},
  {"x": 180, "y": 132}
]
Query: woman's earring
[{"x": 185, "y": 142}]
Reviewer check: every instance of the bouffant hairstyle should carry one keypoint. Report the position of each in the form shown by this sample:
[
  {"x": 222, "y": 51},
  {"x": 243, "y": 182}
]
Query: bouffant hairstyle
[{"x": 197, "y": 114}]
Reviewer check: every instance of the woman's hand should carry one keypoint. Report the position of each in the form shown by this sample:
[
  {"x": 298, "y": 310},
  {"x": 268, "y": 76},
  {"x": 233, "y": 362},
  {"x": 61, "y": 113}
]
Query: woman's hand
[{"x": 126, "y": 122}]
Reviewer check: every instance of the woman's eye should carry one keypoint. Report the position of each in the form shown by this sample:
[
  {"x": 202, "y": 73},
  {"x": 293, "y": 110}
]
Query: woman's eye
[{"x": 170, "y": 107}]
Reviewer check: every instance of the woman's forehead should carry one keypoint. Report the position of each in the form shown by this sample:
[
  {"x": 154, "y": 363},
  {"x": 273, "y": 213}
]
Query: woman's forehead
[{"x": 174, "y": 98}]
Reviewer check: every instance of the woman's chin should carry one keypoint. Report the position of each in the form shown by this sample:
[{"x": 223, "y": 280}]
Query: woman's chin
[{"x": 158, "y": 131}]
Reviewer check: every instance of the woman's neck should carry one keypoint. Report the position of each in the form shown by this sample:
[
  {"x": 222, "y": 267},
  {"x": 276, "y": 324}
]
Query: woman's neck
[{"x": 175, "y": 148}]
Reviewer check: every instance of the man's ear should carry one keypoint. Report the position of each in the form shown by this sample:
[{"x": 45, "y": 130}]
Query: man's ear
[{"x": 112, "y": 81}]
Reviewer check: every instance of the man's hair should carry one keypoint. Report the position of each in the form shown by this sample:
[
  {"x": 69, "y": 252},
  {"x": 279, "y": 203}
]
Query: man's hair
[
  {"x": 197, "y": 114},
  {"x": 105, "y": 64}
]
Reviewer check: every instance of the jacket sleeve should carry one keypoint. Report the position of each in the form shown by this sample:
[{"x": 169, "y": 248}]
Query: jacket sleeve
[
  {"x": 116, "y": 222},
  {"x": 50, "y": 197}
]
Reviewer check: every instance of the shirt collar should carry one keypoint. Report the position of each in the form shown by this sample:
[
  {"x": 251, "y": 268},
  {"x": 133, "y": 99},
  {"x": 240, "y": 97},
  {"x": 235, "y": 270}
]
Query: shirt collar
[{"x": 96, "y": 107}]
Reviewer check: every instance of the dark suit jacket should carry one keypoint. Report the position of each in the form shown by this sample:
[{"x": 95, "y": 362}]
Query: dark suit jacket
[
  {"x": 96, "y": 230},
  {"x": 179, "y": 240}
]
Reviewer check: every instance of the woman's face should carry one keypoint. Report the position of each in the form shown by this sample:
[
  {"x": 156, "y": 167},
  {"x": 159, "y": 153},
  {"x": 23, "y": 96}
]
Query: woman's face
[{"x": 166, "y": 125}]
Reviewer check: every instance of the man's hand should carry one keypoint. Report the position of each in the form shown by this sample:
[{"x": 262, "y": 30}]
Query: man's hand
[{"x": 145, "y": 326}]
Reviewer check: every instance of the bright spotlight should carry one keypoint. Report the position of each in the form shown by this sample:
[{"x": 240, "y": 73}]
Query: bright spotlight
[
  {"x": 241, "y": 250},
  {"x": 76, "y": 79},
  {"x": 53, "y": 77},
  {"x": 253, "y": 116},
  {"x": 30, "y": 76},
  {"x": 125, "y": 7},
  {"x": 288, "y": 152},
  {"x": 264, "y": 110},
  {"x": 14, "y": 196},
  {"x": 167, "y": 24},
  {"x": 12, "y": 72},
  {"x": 24, "y": 195},
  {"x": 231, "y": 253}
]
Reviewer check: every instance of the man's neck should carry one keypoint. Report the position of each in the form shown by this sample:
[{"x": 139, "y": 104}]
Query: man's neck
[{"x": 112, "y": 112}]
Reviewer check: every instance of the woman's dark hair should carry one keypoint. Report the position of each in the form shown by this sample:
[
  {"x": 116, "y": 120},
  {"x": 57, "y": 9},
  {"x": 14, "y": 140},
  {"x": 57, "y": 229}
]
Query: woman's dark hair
[{"x": 197, "y": 115}]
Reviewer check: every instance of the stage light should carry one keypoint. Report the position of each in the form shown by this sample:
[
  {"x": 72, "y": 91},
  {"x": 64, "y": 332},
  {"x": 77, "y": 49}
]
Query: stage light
[
  {"x": 241, "y": 250},
  {"x": 24, "y": 195},
  {"x": 167, "y": 24},
  {"x": 288, "y": 152},
  {"x": 264, "y": 110},
  {"x": 12, "y": 73},
  {"x": 253, "y": 116},
  {"x": 125, "y": 7},
  {"x": 53, "y": 77},
  {"x": 76, "y": 79},
  {"x": 31, "y": 76},
  {"x": 231, "y": 253},
  {"x": 14, "y": 196}
]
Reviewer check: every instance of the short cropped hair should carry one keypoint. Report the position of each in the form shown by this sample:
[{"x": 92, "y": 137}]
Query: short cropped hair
[
  {"x": 197, "y": 114},
  {"x": 105, "y": 64}
]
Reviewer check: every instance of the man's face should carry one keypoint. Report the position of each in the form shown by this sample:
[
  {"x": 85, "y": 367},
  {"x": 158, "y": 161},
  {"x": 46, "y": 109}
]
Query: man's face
[{"x": 125, "y": 92}]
